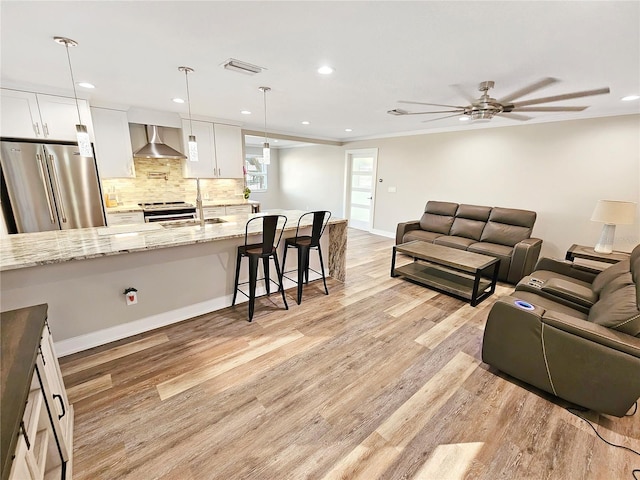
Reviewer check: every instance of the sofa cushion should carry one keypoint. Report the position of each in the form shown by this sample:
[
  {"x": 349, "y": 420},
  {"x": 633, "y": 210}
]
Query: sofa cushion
[
  {"x": 620, "y": 281},
  {"x": 508, "y": 226},
  {"x": 436, "y": 223},
  {"x": 455, "y": 242},
  {"x": 608, "y": 274},
  {"x": 441, "y": 208},
  {"x": 618, "y": 310},
  {"x": 467, "y": 228},
  {"x": 473, "y": 212},
  {"x": 421, "y": 235},
  {"x": 502, "y": 252}
]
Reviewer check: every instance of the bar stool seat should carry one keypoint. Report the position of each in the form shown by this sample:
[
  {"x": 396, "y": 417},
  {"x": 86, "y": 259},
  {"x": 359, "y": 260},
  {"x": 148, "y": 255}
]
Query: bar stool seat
[
  {"x": 304, "y": 244},
  {"x": 266, "y": 250}
]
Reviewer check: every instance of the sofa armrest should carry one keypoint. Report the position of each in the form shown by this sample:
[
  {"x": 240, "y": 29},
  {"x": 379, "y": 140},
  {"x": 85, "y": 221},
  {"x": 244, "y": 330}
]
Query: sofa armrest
[
  {"x": 596, "y": 333},
  {"x": 405, "y": 227},
  {"x": 565, "y": 268},
  {"x": 523, "y": 259}
]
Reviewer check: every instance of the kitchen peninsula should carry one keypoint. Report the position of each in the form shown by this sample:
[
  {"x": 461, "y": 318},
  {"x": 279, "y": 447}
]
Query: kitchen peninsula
[{"x": 179, "y": 272}]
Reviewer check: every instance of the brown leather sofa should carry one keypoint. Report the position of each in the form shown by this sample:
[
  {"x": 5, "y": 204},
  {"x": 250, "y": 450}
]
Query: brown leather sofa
[
  {"x": 504, "y": 233},
  {"x": 572, "y": 333}
]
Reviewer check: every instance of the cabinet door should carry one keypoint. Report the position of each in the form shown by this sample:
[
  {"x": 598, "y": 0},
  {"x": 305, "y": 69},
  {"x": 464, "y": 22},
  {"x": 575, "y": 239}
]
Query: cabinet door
[
  {"x": 60, "y": 117},
  {"x": 238, "y": 209},
  {"x": 114, "y": 153},
  {"x": 205, "y": 167},
  {"x": 55, "y": 395},
  {"x": 213, "y": 212},
  {"x": 228, "y": 140},
  {"x": 20, "y": 116}
]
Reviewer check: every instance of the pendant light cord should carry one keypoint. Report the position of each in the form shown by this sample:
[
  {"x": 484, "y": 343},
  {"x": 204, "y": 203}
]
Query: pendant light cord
[
  {"x": 186, "y": 78},
  {"x": 73, "y": 82},
  {"x": 264, "y": 95}
]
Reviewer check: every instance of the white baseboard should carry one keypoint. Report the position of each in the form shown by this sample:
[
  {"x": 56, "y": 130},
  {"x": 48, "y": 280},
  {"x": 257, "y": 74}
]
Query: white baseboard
[
  {"x": 107, "y": 335},
  {"x": 383, "y": 233}
]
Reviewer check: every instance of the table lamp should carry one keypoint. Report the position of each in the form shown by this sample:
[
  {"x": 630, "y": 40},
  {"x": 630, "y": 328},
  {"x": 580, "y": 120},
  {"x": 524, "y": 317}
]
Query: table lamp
[{"x": 611, "y": 213}]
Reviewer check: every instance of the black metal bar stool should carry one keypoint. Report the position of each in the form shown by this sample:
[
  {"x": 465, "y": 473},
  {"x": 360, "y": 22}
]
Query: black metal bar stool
[
  {"x": 304, "y": 244},
  {"x": 256, "y": 251}
]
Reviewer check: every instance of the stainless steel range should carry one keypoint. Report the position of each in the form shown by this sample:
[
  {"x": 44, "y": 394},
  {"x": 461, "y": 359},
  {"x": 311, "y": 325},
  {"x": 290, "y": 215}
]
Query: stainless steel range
[{"x": 167, "y": 211}]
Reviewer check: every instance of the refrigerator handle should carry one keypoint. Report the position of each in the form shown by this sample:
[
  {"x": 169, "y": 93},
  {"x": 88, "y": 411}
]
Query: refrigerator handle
[
  {"x": 55, "y": 179},
  {"x": 43, "y": 177}
]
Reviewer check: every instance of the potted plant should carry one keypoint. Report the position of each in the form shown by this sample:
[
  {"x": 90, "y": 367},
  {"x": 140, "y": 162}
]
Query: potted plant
[{"x": 246, "y": 192}]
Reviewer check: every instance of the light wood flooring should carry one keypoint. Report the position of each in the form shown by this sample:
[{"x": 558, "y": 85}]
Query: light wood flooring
[{"x": 382, "y": 378}]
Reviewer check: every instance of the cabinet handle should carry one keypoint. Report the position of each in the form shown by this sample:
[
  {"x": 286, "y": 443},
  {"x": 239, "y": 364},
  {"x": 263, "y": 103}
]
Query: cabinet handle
[
  {"x": 36, "y": 128},
  {"x": 24, "y": 434},
  {"x": 64, "y": 410},
  {"x": 45, "y": 129}
]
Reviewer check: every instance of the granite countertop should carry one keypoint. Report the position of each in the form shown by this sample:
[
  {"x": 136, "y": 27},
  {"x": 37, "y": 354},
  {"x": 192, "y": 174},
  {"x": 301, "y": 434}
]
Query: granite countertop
[
  {"x": 42, "y": 248},
  {"x": 127, "y": 208}
]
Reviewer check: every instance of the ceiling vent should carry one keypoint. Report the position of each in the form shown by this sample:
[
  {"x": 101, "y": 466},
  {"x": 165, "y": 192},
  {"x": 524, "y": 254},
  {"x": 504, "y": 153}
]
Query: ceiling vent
[{"x": 242, "y": 67}]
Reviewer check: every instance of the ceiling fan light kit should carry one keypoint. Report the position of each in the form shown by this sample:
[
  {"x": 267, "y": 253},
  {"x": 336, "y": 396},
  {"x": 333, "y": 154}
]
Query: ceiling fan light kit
[{"x": 486, "y": 107}]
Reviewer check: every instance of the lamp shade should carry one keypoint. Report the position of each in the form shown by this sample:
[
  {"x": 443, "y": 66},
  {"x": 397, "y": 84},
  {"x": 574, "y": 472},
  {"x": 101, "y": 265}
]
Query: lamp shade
[{"x": 613, "y": 212}]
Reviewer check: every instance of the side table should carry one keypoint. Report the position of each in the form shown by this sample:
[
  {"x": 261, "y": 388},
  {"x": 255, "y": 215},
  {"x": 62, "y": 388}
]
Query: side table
[{"x": 588, "y": 253}]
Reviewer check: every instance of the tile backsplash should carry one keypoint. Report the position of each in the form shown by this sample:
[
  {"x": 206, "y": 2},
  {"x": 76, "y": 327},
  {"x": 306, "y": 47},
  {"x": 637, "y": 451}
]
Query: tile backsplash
[{"x": 162, "y": 181}]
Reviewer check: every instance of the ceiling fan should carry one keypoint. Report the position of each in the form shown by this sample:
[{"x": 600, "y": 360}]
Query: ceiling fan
[{"x": 486, "y": 107}]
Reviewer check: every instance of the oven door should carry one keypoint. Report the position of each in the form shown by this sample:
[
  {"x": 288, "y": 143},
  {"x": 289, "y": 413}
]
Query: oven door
[{"x": 168, "y": 217}]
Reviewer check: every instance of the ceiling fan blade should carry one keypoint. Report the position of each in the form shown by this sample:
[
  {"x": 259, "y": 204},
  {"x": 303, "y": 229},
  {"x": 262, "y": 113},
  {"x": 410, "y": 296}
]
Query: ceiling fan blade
[
  {"x": 566, "y": 96},
  {"x": 528, "y": 89},
  {"x": 463, "y": 94},
  {"x": 550, "y": 109},
  {"x": 441, "y": 118},
  {"x": 431, "y": 104},
  {"x": 458, "y": 112},
  {"x": 514, "y": 116}
]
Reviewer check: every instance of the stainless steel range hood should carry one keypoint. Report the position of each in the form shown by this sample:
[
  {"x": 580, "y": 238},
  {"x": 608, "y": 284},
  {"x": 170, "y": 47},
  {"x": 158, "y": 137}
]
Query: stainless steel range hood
[{"x": 156, "y": 148}]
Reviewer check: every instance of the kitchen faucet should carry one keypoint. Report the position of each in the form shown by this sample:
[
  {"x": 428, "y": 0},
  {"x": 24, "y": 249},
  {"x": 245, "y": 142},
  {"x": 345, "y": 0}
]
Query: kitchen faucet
[{"x": 199, "y": 202}]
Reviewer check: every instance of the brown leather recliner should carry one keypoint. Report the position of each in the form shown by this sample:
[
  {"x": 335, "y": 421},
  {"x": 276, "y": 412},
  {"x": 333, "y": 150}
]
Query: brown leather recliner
[{"x": 573, "y": 334}]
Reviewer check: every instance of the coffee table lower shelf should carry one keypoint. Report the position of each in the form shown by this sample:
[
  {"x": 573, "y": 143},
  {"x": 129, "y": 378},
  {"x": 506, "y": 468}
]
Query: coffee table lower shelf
[{"x": 442, "y": 278}]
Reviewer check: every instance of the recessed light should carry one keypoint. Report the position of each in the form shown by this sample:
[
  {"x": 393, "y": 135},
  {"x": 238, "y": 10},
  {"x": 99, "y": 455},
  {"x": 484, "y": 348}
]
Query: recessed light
[
  {"x": 348, "y": 130},
  {"x": 86, "y": 85},
  {"x": 245, "y": 112},
  {"x": 464, "y": 118},
  {"x": 178, "y": 100},
  {"x": 274, "y": 141},
  {"x": 628, "y": 98},
  {"x": 305, "y": 122},
  {"x": 325, "y": 70}
]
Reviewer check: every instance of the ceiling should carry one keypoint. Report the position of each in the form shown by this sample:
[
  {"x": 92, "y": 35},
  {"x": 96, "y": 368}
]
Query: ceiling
[{"x": 381, "y": 52}]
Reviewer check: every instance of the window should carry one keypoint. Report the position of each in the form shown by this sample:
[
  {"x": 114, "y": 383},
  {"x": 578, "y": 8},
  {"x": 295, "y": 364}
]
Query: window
[{"x": 256, "y": 173}]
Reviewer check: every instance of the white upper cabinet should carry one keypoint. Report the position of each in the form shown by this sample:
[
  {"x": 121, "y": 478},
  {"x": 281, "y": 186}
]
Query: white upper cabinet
[
  {"x": 228, "y": 151},
  {"x": 219, "y": 150},
  {"x": 205, "y": 167},
  {"x": 47, "y": 117},
  {"x": 114, "y": 153}
]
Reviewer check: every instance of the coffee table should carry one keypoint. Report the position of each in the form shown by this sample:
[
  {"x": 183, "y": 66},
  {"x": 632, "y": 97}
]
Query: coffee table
[{"x": 450, "y": 270}]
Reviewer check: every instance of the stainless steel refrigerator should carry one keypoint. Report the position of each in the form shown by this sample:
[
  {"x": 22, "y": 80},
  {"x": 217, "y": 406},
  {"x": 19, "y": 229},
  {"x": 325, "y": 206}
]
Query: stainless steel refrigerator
[{"x": 49, "y": 187}]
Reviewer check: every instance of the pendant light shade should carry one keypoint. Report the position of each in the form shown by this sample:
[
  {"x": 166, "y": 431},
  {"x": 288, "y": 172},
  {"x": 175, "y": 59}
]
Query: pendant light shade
[
  {"x": 192, "y": 143},
  {"x": 266, "y": 150},
  {"x": 84, "y": 143}
]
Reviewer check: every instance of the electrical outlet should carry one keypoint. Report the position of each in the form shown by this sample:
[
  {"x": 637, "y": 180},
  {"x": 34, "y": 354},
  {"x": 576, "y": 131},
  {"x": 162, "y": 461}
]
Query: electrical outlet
[{"x": 132, "y": 298}]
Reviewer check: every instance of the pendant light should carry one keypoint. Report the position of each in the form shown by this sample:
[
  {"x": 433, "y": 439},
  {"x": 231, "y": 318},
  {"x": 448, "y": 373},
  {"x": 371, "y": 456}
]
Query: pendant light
[
  {"x": 81, "y": 130},
  {"x": 193, "y": 145},
  {"x": 266, "y": 151}
]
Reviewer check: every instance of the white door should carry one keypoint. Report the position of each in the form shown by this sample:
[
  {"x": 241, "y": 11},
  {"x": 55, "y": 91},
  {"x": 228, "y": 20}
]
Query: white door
[{"x": 361, "y": 187}]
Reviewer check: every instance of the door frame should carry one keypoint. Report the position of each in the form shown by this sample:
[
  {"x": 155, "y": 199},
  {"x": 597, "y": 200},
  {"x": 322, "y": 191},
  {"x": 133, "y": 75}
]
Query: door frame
[{"x": 348, "y": 155}]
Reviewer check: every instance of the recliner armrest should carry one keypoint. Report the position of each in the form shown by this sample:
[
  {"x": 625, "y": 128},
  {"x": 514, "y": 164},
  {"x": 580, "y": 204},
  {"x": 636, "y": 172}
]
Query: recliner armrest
[
  {"x": 596, "y": 333},
  {"x": 405, "y": 227},
  {"x": 524, "y": 257},
  {"x": 564, "y": 268}
]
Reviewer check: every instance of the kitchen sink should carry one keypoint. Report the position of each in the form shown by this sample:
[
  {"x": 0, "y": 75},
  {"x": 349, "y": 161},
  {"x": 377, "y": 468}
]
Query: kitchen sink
[{"x": 191, "y": 223}]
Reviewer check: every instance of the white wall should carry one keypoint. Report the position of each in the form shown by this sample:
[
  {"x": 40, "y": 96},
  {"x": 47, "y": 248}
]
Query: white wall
[
  {"x": 270, "y": 198},
  {"x": 312, "y": 178},
  {"x": 558, "y": 169}
]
